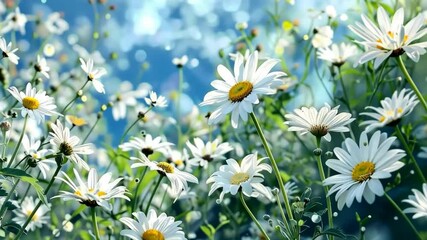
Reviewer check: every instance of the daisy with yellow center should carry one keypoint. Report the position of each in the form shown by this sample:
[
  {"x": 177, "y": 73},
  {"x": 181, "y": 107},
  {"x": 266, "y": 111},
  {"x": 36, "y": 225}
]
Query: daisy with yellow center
[
  {"x": 75, "y": 121},
  {"x": 93, "y": 74},
  {"x": 152, "y": 227},
  {"x": 179, "y": 179},
  {"x": 92, "y": 192},
  {"x": 245, "y": 177},
  {"x": 35, "y": 104},
  {"x": 236, "y": 93},
  {"x": 392, "y": 110},
  {"x": 26, "y": 208},
  {"x": 203, "y": 153},
  {"x": 360, "y": 168},
  {"x": 390, "y": 38}
]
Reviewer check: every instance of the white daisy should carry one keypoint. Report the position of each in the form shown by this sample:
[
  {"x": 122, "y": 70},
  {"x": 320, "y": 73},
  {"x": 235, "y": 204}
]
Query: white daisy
[
  {"x": 418, "y": 202},
  {"x": 14, "y": 21},
  {"x": 319, "y": 123},
  {"x": 126, "y": 97},
  {"x": 246, "y": 177},
  {"x": 146, "y": 145},
  {"x": 177, "y": 158},
  {"x": 177, "y": 177},
  {"x": 93, "y": 75},
  {"x": 180, "y": 62},
  {"x": 68, "y": 145},
  {"x": 392, "y": 109},
  {"x": 55, "y": 24},
  {"x": 390, "y": 38},
  {"x": 92, "y": 192},
  {"x": 35, "y": 104},
  {"x": 42, "y": 67},
  {"x": 151, "y": 226},
  {"x": 322, "y": 37},
  {"x": 26, "y": 208},
  {"x": 337, "y": 54},
  {"x": 360, "y": 168},
  {"x": 33, "y": 149},
  {"x": 8, "y": 52},
  {"x": 155, "y": 101},
  {"x": 237, "y": 93},
  {"x": 205, "y": 153}
]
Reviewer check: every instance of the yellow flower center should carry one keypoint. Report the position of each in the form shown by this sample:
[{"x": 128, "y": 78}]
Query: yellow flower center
[
  {"x": 363, "y": 171},
  {"x": 35, "y": 216},
  {"x": 101, "y": 193},
  {"x": 30, "y": 103},
  {"x": 66, "y": 149},
  {"x": 152, "y": 234},
  {"x": 399, "y": 110},
  {"x": 405, "y": 38},
  {"x": 239, "y": 91},
  {"x": 78, "y": 193},
  {"x": 390, "y": 34},
  {"x": 90, "y": 77},
  {"x": 178, "y": 162},
  {"x": 76, "y": 121},
  {"x": 379, "y": 46},
  {"x": 239, "y": 178},
  {"x": 166, "y": 167},
  {"x": 382, "y": 118}
]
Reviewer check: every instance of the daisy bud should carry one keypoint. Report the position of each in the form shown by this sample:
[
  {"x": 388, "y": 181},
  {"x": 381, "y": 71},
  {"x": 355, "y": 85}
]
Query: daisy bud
[
  {"x": 104, "y": 107},
  {"x": 275, "y": 191},
  {"x": 329, "y": 154},
  {"x": 32, "y": 162},
  {"x": 241, "y": 26},
  {"x": 254, "y": 32},
  {"x": 136, "y": 180},
  {"x": 259, "y": 48},
  {"x": 5, "y": 126},
  {"x": 221, "y": 53},
  {"x": 38, "y": 81},
  {"x": 141, "y": 115},
  {"x": 270, "y": 222},
  {"x": 99, "y": 115},
  {"x": 362, "y": 229},
  {"x": 80, "y": 93},
  {"x": 315, "y": 218},
  {"x": 317, "y": 152},
  {"x": 335, "y": 214},
  {"x": 266, "y": 217}
]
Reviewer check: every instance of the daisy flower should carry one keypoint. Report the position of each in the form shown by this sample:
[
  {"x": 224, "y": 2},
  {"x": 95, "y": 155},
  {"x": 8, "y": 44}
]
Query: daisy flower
[
  {"x": 177, "y": 177},
  {"x": 42, "y": 67},
  {"x": 155, "y": 101},
  {"x": 151, "y": 226},
  {"x": 75, "y": 121},
  {"x": 177, "y": 158},
  {"x": 418, "y": 202},
  {"x": 55, "y": 24},
  {"x": 8, "y": 52},
  {"x": 205, "y": 153},
  {"x": 93, "y": 75},
  {"x": 360, "y": 168},
  {"x": 14, "y": 21},
  {"x": 237, "y": 93},
  {"x": 322, "y": 37},
  {"x": 247, "y": 176},
  {"x": 35, "y": 104},
  {"x": 26, "y": 208},
  {"x": 93, "y": 192},
  {"x": 392, "y": 110},
  {"x": 390, "y": 38},
  {"x": 69, "y": 145},
  {"x": 319, "y": 123},
  {"x": 146, "y": 145},
  {"x": 126, "y": 97},
  {"x": 32, "y": 148},
  {"x": 337, "y": 54},
  {"x": 180, "y": 62}
]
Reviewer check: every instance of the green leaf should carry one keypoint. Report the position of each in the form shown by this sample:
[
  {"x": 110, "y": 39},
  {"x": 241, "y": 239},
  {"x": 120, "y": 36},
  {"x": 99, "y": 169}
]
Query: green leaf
[
  {"x": 206, "y": 230},
  {"x": 17, "y": 173},
  {"x": 336, "y": 232}
]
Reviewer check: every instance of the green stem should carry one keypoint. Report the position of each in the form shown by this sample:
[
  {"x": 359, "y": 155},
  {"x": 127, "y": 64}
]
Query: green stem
[
  {"x": 8, "y": 197},
  {"x": 409, "y": 152},
  {"x": 347, "y": 99},
  {"x": 74, "y": 99},
  {"x": 252, "y": 215},
  {"x": 21, "y": 231},
  {"x": 411, "y": 82},
  {"x": 136, "y": 197},
  {"x": 91, "y": 130},
  {"x": 273, "y": 164},
  {"x": 18, "y": 144},
  {"x": 247, "y": 40},
  {"x": 403, "y": 215},
  {"x": 154, "y": 193},
  {"x": 94, "y": 222},
  {"x": 326, "y": 188},
  {"x": 178, "y": 105},
  {"x": 133, "y": 124}
]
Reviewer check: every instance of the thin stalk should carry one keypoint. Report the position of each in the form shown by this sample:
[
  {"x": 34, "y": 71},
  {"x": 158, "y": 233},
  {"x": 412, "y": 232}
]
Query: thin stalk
[
  {"x": 74, "y": 99},
  {"x": 178, "y": 105},
  {"x": 410, "y": 153},
  {"x": 136, "y": 197},
  {"x": 18, "y": 144},
  {"x": 2, "y": 209},
  {"x": 247, "y": 40},
  {"x": 91, "y": 130},
  {"x": 403, "y": 215},
  {"x": 133, "y": 124},
  {"x": 411, "y": 82},
  {"x": 252, "y": 215},
  {"x": 94, "y": 222},
  {"x": 154, "y": 193},
  {"x": 347, "y": 99},
  {"x": 21, "y": 231},
  {"x": 273, "y": 164},
  {"x": 326, "y": 188}
]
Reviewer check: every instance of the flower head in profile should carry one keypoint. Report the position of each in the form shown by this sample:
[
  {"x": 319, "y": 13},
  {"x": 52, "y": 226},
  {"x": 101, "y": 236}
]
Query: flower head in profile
[
  {"x": 151, "y": 226},
  {"x": 8, "y": 52},
  {"x": 75, "y": 120},
  {"x": 35, "y": 104},
  {"x": 146, "y": 145},
  {"x": 319, "y": 123},
  {"x": 360, "y": 168},
  {"x": 390, "y": 38},
  {"x": 155, "y": 101},
  {"x": 14, "y": 21},
  {"x": 245, "y": 176},
  {"x": 180, "y": 62},
  {"x": 418, "y": 202},
  {"x": 69, "y": 145},
  {"x": 392, "y": 109},
  {"x": 205, "y": 153},
  {"x": 337, "y": 54},
  {"x": 93, "y": 192},
  {"x": 26, "y": 208},
  {"x": 126, "y": 97},
  {"x": 237, "y": 92},
  {"x": 32, "y": 148},
  {"x": 322, "y": 37},
  {"x": 179, "y": 179},
  {"x": 93, "y": 74},
  {"x": 42, "y": 67},
  {"x": 55, "y": 24}
]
